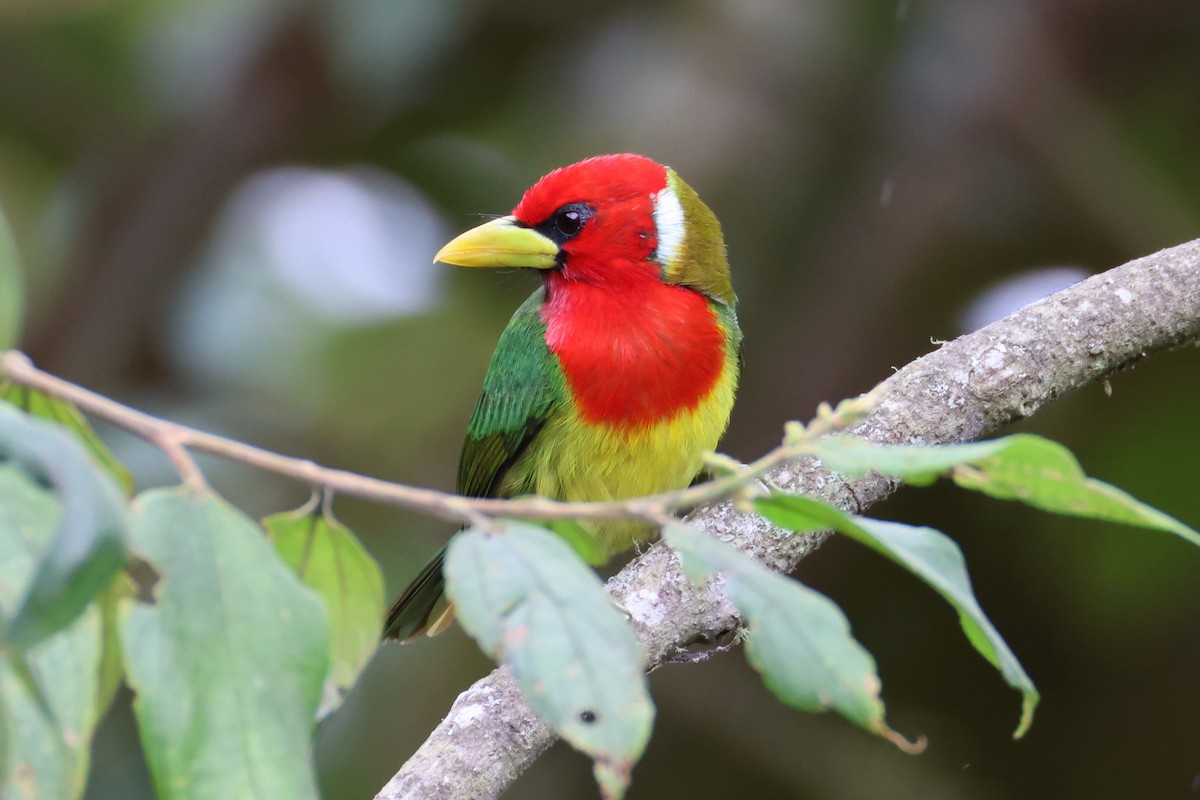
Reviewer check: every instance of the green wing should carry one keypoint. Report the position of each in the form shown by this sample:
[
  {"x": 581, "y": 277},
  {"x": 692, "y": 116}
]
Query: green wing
[{"x": 522, "y": 389}]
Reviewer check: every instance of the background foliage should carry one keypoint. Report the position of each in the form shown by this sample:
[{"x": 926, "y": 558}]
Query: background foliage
[{"x": 225, "y": 211}]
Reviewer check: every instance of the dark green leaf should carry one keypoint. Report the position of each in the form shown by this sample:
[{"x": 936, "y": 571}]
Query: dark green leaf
[
  {"x": 49, "y": 702},
  {"x": 531, "y": 604},
  {"x": 229, "y": 660},
  {"x": 582, "y": 541},
  {"x": 112, "y": 664},
  {"x": 44, "y": 406},
  {"x": 329, "y": 559},
  {"x": 87, "y": 548},
  {"x": 797, "y": 638},
  {"x": 928, "y": 554},
  {"x": 1023, "y": 467}
]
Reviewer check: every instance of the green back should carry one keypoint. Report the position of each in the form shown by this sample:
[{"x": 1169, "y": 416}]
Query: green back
[{"x": 523, "y": 387}]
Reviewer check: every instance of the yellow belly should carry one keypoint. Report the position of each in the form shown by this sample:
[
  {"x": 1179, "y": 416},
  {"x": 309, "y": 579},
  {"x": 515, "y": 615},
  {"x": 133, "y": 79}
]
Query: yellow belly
[{"x": 575, "y": 460}]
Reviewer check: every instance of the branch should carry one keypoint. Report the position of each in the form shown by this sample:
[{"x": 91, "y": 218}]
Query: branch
[{"x": 963, "y": 391}]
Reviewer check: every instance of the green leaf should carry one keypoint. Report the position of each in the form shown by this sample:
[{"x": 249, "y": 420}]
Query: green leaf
[
  {"x": 931, "y": 556},
  {"x": 42, "y": 405},
  {"x": 917, "y": 465},
  {"x": 798, "y": 639},
  {"x": 582, "y": 540},
  {"x": 1023, "y": 467},
  {"x": 87, "y": 548},
  {"x": 229, "y": 660},
  {"x": 1046, "y": 475},
  {"x": 329, "y": 559},
  {"x": 112, "y": 664},
  {"x": 531, "y": 604},
  {"x": 49, "y": 703},
  {"x": 12, "y": 295},
  {"x": 48, "y": 737}
]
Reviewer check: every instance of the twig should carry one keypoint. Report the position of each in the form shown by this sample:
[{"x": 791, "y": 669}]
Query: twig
[
  {"x": 177, "y": 452},
  {"x": 175, "y": 440},
  {"x": 965, "y": 390}
]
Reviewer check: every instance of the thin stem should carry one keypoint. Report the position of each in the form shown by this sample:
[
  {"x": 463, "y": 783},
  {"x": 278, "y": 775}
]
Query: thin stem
[
  {"x": 176, "y": 440},
  {"x": 182, "y": 460}
]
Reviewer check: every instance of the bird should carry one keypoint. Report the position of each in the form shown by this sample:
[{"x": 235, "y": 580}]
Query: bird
[{"x": 616, "y": 376}]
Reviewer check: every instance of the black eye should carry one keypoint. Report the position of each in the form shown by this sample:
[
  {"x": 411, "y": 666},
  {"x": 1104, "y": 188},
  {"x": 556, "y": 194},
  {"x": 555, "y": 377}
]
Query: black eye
[{"x": 566, "y": 222}]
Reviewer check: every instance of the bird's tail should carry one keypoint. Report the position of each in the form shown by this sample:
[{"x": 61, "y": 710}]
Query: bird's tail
[{"x": 424, "y": 600}]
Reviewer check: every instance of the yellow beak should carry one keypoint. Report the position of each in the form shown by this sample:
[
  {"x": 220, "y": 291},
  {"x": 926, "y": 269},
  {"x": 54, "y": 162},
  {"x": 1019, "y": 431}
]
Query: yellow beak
[{"x": 500, "y": 243}]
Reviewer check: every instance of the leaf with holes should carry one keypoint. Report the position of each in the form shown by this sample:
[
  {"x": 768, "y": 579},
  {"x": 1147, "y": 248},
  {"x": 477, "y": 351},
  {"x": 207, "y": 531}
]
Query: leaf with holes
[
  {"x": 931, "y": 556},
  {"x": 329, "y": 559},
  {"x": 1023, "y": 467},
  {"x": 797, "y": 638},
  {"x": 228, "y": 661},
  {"x": 531, "y": 604}
]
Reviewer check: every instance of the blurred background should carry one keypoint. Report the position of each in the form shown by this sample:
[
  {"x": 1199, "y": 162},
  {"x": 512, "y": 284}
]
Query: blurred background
[{"x": 226, "y": 211}]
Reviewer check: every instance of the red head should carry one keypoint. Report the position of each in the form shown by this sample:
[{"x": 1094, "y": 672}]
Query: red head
[
  {"x": 600, "y": 212},
  {"x": 613, "y": 220}
]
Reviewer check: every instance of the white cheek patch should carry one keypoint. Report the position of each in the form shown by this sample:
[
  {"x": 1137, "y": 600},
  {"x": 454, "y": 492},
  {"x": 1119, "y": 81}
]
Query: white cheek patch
[{"x": 668, "y": 224}]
